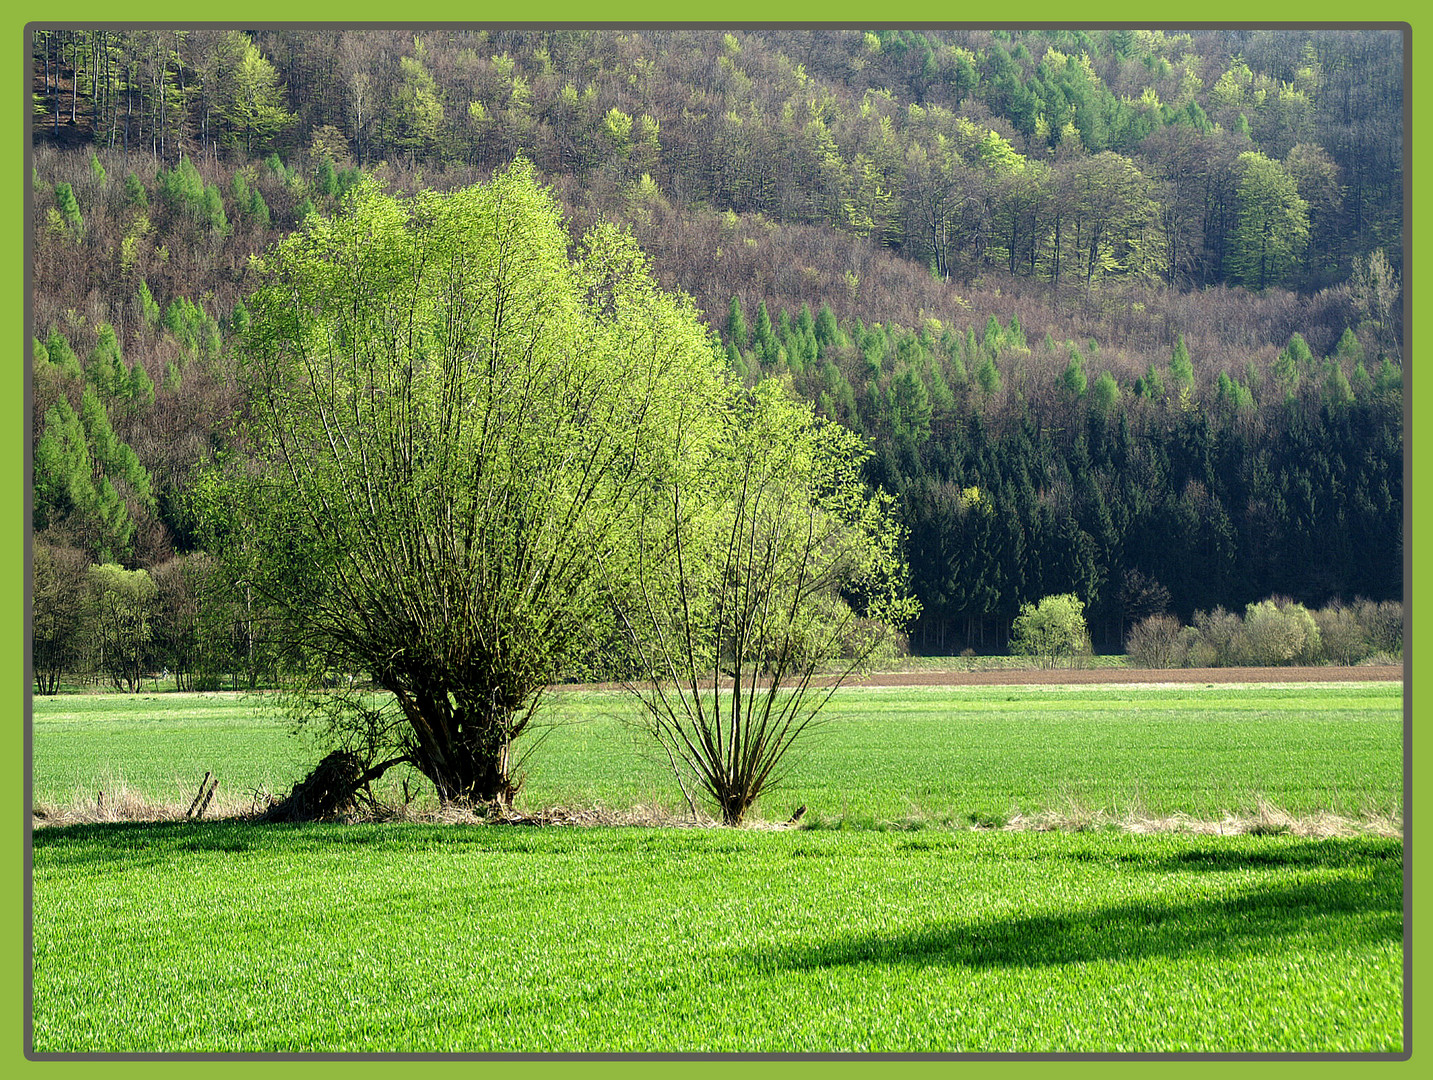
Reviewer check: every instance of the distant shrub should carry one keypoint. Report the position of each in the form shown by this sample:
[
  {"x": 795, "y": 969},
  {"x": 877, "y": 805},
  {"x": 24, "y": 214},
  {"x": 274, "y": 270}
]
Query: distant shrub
[
  {"x": 1157, "y": 642},
  {"x": 1051, "y": 631},
  {"x": 1278, "y": 632},
  {"x": 1382, "y": 624},
  {"x": 1220, "y": 638},
  {"x": 1344, "y": 640}
]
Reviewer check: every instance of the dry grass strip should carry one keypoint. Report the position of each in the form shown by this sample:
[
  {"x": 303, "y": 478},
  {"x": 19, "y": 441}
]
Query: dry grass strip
[{"x": 1267, "y": 820}]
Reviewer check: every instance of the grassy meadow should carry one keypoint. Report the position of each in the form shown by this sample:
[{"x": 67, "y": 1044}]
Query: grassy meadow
[
  {"x": 885, "y": 925},
  {"x": 461, "y": 938},
  {"x": 940, "y": 754}
]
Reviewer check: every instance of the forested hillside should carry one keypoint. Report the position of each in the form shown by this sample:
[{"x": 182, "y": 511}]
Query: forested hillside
[{"x": 1119, "y": 311}]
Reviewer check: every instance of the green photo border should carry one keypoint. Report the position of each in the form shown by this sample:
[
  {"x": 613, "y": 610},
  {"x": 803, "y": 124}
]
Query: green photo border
[{"x": 15, "y": 479}]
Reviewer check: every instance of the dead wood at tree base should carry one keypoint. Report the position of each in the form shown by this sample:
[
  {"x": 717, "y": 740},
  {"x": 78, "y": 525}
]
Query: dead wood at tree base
[{"x": 333, "y": 790}]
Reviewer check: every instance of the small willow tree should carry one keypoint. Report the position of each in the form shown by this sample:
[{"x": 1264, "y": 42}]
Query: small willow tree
[
  {"x": 769, "y": 564},
  {"x": 452, "y": 422}
]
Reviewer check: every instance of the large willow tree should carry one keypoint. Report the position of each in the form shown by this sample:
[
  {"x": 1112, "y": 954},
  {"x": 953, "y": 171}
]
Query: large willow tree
[{"x": 453, "y": 419}]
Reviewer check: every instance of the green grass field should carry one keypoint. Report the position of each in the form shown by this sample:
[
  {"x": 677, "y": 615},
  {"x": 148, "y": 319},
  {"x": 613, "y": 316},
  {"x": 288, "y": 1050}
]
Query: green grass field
[
  {"x": 888, "y": 926},
  {"x": 230, "y": 937},
  {"x": 887, "y": 755}
]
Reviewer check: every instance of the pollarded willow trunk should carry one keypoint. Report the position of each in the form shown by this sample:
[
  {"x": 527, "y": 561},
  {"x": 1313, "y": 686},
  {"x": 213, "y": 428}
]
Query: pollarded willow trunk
[{"x": 463, "y": 744}]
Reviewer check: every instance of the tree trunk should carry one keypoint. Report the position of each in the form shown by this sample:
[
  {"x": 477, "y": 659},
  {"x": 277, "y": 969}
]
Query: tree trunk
[{"x": 463, "y": 749}]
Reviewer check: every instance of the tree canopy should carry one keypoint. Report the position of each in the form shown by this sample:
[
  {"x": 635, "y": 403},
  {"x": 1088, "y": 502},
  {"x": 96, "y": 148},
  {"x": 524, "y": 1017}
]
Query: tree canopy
[
  {"x": 770, "y": 560},
  {"x": 450, "y": 421}
]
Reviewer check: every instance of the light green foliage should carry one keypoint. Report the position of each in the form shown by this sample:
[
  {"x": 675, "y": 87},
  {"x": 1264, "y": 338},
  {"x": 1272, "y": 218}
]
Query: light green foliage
[
  {"x": 1232, "y": 394},
  {"x": 988, "y": 376},
  {"x": 239, "y": 319},
  {"x": 1151, "y": 385},
  {"x": 124, "y": 603},
  {"x": 1349, "y": 348},
  {"x": 1074, "y": 380},
  {"x": 736, "y": 329},
  {"x": 994, "y": 336},
  {"x": 617, "y": 129},
  {"x": 193, "y": 327},
  {"x": 417, "y": 113},
  {"x": 257, "y": 210},
  {"x": 1053, "y": 630},
  {"x": 1181, "y": 371},
  {"x": 763, "y": 338},
  {"x": 452, "y": 421},
  {"x": 115, "y": 457},
  {"x": 140, "y": 389},
  {"x": 909, "y": 405},
  {"x": 76, "y": 459},
  {"x": 1105, "y": 396},
  {"x": 1280, "y": 633},
  {"x": 325, "y": 178},
  {"x": 1298, "y": 350},
  {"x": 254, "y": 104},
  {"x": 214, "y": 215},
  {"x": 97, "y": 170},
  {"x": 1360, "y": 382},
  {"x": 1389, "y": 378},
  {"x": 134, "y": 193},
  {"x": 828, "y": 331},
  {"x": 59, "y": 353},
  {"x": 104, "y": 369},
  {"x": 1336, "y": 388},
  {"x": 773, "y": 560},
  {"x": 1273, "y": 224},
  {"x": 148, "y": 307},
  {"x": 63, "y": 480},
  {"x": 68, "y": 207},
  {"x": 182, "y": 186}
]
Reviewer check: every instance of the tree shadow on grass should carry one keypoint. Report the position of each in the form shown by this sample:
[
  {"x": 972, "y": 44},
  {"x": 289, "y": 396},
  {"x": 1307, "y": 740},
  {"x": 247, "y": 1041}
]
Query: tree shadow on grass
[
  {"x": 1343, "y": 911},
  {"x": 129, "y": 844}
]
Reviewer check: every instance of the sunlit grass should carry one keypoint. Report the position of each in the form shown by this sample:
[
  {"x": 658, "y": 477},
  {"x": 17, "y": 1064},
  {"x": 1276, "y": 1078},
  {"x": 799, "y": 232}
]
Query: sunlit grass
[
  {"x": 937, "y": 754},
  {"x": 235, "y": 937}
]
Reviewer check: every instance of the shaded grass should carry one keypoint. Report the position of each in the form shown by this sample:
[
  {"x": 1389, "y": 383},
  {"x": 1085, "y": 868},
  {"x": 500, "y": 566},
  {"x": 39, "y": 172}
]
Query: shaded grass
[
  {"x": 472, "y": 938},
  {"x": 938, "y": 755}
]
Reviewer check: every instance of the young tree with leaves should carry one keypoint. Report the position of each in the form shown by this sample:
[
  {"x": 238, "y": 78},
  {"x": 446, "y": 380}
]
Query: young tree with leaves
[
  {"x": 1052, "y": 630},
  {"x": 1273, "y": 224},
  {"x": 771, "y": 561}
]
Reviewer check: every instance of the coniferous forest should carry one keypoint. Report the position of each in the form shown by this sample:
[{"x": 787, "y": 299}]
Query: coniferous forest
[{"x": 1119, "y": 312}]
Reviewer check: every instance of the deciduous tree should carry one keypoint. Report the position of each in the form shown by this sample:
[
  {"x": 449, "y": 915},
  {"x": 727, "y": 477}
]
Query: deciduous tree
[
  {"x": 452, "y": 422},
  {"x": 771, "y": 560}
]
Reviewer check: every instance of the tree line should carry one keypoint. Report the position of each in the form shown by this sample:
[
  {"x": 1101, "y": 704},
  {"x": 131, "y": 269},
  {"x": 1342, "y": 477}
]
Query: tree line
[
  {"x": 1043, "y": 438},
  {"x": 1265, "y": 158},
  {"x": 1033, "y": 469},
  {"x": 1101, "y": 460}
]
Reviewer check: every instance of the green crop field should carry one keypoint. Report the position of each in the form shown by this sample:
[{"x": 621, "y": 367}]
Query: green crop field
[
  {"x": 230, "y": 937},
  {"x": 886, "y": 925},
  {"x": 886, "y": 755}
]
